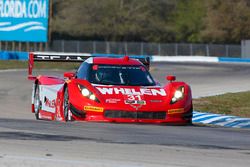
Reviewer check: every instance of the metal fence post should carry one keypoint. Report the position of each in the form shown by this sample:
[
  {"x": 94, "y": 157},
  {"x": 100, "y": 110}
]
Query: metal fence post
[
  {"x": 176, "y": 49},
  {"x": 107, "y": 48},
  {"x": 94, "y": 47},
  {"x": 78, "y": 46},
  {"x": 35, "y": 47},
  {"x": 126, "y": 48},
  {"x": 227, "y": 51},
  {"x": 142, "y": 48},
  {"x": 4, "y": 46},
  {"x": 207, "y": 50},
  {"x": 191, "y": 49},
  {"x": 159, "y": 49},
  {"x": 62, "y": 46}
]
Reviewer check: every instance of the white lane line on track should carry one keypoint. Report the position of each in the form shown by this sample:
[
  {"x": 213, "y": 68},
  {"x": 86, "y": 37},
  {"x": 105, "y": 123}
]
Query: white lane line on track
[
  {"x": 42, "y": 159},
  {"x": 12, "y": 70},
  {"x": 85, "y": 162}
]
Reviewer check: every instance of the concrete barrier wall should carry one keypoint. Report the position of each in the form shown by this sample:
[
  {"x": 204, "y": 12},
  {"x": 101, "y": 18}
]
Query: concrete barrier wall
[
  {"x": 4, "y": 55},
  {"x": 13, "y": 55}
]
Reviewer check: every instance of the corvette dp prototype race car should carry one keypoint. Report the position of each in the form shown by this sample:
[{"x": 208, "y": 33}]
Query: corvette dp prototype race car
[{"x": 108, "y": 89}]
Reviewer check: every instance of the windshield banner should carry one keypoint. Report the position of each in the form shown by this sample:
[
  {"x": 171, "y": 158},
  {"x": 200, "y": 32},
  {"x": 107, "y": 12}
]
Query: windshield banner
[{"x": 24, "y": 20}]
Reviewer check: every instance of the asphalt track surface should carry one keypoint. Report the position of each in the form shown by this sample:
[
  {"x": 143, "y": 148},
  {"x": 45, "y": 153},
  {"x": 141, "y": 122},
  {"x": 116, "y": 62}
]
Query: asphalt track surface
[{"x": 27, "y": 142}]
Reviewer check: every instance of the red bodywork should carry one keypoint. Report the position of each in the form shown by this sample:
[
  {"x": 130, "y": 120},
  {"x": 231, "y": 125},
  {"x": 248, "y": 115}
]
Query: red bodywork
[{"x": 114, "y": 103}]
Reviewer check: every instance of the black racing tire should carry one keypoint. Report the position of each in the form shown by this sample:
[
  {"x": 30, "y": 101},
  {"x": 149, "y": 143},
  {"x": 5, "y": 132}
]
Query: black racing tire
[
  {"x": 37, "y": 102},
  {"x": 190, "y": 121},
  {"x": 66, "y": 104}
]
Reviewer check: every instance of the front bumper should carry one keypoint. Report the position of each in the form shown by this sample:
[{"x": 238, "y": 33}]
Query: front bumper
[{"x": 124, "y": 116}]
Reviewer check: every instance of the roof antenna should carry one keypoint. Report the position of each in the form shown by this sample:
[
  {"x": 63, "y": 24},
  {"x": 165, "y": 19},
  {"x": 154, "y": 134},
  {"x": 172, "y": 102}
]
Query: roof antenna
[{"x": 126, "y": 57}]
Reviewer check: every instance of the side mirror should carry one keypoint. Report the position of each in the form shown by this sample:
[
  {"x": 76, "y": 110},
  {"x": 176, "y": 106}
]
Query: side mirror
[
  {"x": 171, "y": 78},
  {"x": 69, "y": 75}
]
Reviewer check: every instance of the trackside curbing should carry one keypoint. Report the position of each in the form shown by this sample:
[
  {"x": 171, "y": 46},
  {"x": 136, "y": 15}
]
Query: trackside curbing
[{"x": 220, "y": 120}]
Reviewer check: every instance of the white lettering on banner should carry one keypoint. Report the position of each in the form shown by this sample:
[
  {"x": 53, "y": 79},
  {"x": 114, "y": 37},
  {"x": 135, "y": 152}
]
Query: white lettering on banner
[
  {"x": 127, "y": 91},
  {"x": 20, "y": 9},
  {"x": 49, "y": 57},
  {"x": 77, "y": 58}
]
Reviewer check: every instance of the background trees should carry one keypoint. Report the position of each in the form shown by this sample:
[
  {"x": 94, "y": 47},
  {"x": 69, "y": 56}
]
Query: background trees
[
  {"x": 216, "y": 21},
  {"x": 227, "y": 21}
]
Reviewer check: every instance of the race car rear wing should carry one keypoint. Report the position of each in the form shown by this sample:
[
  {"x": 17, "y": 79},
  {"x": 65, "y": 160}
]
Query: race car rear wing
[
  {"x": 68, "y": 57},
  {"x": 53, "y": 57}
]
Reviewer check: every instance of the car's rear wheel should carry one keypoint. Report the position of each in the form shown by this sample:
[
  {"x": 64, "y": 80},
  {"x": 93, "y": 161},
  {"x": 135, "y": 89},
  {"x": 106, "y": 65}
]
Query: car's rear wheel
[
  {"x": 37, "y": 102},
  {"x": 66, "y": 105}
]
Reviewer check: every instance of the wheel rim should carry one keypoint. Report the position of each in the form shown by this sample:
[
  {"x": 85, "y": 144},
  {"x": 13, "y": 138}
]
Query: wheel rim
[
  {"x": 37, "y": 101},
  {"x": 66, "y": 105}
]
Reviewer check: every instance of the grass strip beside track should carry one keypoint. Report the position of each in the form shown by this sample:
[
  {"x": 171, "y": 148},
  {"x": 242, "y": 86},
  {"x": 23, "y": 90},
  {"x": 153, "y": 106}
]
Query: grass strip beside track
[{"x": 236, "y": 104}]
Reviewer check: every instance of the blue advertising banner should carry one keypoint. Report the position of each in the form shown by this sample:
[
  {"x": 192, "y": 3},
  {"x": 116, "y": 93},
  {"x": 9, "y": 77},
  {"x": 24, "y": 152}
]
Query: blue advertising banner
[{"x": 24, "y": 20}]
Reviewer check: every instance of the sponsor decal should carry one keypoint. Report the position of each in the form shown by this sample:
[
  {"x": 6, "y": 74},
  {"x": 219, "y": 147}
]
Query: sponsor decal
[
  {"x": 24, "y": 20},
  {"x": 59, "y": 57},
  {"x": 23, "y": 8},
  {"x": 113, "y": 101},
  {"x": 176, "y": 111},
  {"x": 156, "y": 101},
  {"x": 44, "y": 116},
  {"x": 49, "y": 103},
  {"x": 129, "y": 91},
  {"x": 58, "y": 115},
  {"x": 93, "y": 108},
  {"x": 95, "y": 67},
  {"x": 135, "y": 101},
  {"x": 68, "y": 81}
]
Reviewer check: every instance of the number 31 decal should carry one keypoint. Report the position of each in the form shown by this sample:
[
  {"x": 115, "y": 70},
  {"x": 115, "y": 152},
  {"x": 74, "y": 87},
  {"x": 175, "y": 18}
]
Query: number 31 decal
[{"x": 134, "y": 97}]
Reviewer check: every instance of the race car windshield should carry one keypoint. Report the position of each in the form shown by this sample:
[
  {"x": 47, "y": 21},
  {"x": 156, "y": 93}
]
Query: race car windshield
[{"x": 120, "y": 75}]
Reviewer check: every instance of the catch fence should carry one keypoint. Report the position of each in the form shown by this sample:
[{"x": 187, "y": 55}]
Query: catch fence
[{"x": 129, "y": 48}]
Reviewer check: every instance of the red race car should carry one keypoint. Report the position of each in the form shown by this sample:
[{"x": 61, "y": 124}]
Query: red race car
[{"x": 108, "y": 89}]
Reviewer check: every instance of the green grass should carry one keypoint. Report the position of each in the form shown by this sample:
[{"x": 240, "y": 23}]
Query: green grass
[
  {"x": 15, "y": 64},
  {"x": 237, "y": 104},
  {"x": 10, "y": 64}
]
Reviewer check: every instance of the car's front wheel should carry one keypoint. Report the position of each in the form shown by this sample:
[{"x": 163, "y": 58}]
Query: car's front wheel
[{"x": 66, "y": 105}]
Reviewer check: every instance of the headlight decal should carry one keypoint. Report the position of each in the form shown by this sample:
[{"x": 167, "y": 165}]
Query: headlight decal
[
  {"x": 87, "y": 93},
  {"x": 178, "y": 95}
]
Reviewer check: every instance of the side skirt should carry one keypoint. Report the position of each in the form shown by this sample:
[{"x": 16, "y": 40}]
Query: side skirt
[{"x": 46, "y": 115}]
